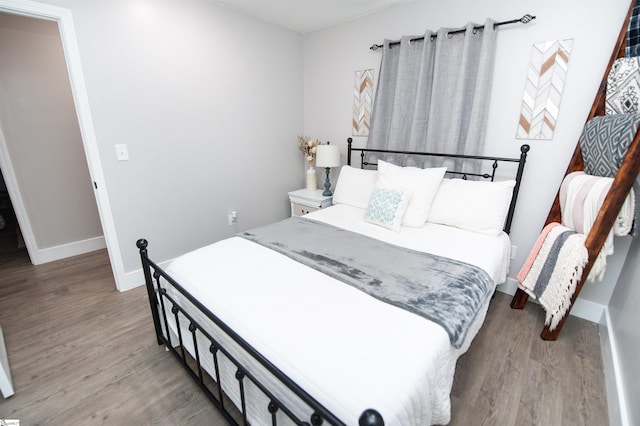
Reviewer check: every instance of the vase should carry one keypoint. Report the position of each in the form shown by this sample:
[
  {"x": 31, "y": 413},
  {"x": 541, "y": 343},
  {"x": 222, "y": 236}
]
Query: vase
[{"x": 311, "y": 178}]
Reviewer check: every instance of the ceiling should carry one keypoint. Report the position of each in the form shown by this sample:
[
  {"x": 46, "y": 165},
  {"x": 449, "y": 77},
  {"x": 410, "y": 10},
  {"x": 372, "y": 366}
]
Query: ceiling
[{"x": 308, "y": 15}]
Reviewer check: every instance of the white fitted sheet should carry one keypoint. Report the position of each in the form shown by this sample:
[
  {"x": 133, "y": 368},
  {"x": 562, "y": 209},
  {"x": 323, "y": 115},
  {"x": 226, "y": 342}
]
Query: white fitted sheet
[{"x": 347, "y": 349}]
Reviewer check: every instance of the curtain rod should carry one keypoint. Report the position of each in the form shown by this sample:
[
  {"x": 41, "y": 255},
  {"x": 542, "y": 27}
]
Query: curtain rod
[{"x": 525, "y": 20}]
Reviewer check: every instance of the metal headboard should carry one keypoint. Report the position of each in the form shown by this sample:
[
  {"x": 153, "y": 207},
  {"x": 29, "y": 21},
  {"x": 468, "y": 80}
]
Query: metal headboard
[{"x": 524, "y": 149}]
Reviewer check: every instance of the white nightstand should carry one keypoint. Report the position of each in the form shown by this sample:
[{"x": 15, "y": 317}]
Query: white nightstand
[{"x": 304, "y": 201}]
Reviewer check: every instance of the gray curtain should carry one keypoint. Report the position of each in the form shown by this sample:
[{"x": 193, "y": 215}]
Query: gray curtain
[{"x": 433, "y": 94}]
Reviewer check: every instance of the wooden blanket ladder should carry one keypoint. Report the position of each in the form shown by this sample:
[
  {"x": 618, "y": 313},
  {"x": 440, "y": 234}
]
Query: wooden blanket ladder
[{"x": 614, "y": 200}]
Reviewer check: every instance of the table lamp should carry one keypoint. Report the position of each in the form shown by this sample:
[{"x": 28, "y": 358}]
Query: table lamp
[{"x": 327, "y": 156}]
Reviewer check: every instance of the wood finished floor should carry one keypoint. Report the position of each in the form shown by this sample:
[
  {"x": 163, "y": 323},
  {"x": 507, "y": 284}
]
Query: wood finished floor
[{"x": 83, "y": 354}]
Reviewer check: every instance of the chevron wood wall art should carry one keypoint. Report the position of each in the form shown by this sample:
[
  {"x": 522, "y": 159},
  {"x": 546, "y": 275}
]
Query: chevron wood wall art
[
  {"x": 362, "y": 100},
  {"x": 543, "y": 90}
]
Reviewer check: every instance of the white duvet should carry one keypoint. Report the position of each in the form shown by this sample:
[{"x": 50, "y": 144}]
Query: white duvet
[{"x": 348, "y": 350}]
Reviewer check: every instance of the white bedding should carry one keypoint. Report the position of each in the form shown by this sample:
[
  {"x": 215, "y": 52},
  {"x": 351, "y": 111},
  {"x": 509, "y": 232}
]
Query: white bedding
[
  {"x": 348, "y": 350},
  {"x": 489, "y": 253}
]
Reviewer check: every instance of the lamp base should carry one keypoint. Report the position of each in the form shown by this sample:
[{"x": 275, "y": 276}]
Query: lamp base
[{"x": 327, "y": 185}]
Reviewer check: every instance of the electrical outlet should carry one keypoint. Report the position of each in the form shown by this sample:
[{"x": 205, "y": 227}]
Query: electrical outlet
[
  {"x": 122, "y": 153},
  {"x": 514, "y": 250},
  {"x": 233, "y": 218}
]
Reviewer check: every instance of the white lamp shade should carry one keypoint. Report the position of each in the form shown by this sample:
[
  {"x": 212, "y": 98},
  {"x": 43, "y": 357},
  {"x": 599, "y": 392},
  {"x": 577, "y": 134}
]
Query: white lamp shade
[{"x": 327, "y": 156}]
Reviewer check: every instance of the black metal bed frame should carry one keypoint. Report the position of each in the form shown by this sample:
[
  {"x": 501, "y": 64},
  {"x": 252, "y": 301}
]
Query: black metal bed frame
[{"x": 161, "y": 301}]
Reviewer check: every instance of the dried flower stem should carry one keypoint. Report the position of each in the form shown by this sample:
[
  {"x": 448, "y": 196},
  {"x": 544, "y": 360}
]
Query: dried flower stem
[{"x": 308, "y": 147}]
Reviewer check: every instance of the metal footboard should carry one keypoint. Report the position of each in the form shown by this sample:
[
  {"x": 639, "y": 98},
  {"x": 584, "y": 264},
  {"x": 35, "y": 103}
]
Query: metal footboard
[{"x": 162, "y": 303}]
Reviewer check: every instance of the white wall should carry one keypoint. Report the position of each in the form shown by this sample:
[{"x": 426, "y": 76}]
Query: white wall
[
  {"x": 624, "y": 318},
  {"x": 42, "y": 137},
  {"x": 208, "y": 102},
  {"x": 210, "y": 108},
  {"x": 331, "y": 57}
]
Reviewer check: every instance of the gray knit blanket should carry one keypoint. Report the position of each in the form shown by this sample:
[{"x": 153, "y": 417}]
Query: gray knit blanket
[{"x": 445, "y": 291}]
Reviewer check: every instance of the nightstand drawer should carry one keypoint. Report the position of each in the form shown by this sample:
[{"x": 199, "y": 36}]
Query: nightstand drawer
[
  {"x": 300, "y": 210},
  {"x": 305, "y": 201}
]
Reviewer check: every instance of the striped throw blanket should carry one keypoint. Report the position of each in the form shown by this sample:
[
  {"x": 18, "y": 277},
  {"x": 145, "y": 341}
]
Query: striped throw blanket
[
  {"x": 553, "y": 269},
  {"x": 581, "y": 197}
]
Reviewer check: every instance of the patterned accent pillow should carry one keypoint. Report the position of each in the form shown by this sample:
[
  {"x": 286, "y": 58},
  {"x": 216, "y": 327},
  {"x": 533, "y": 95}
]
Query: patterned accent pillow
[
  {"x": 422, "y": 184},
  {"x": 387, "y": 207},
  {"x": 623, "y": 87}
]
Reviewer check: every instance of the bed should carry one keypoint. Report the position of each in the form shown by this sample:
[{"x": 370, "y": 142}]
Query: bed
[{"x": 328, "y": 318}]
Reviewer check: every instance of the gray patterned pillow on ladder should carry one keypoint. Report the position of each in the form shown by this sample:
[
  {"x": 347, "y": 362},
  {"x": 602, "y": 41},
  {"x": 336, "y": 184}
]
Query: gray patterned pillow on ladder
[{"x": 623, "y": 87}]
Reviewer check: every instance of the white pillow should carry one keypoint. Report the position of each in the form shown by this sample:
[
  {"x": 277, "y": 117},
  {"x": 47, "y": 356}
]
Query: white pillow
[
  {"x": 422, "y": 184},
  {"x": 472, "y": 205},
  {"x": 386, "y": 208},
  {"x": 354, "y": 186}
]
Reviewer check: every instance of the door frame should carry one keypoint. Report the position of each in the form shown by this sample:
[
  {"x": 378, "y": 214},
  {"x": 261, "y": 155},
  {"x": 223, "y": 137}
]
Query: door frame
[{"x": 81, "y": 99}]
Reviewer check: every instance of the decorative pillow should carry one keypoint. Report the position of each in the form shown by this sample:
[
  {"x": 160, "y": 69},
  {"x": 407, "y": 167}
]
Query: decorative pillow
[
  {"x": 472, "y": 205},
  {"x": 386, "y": 208},
  {"x": 623, "y": 87},
  {"x": 422, "y": 184},
  {"x": 354, "y": 186}
]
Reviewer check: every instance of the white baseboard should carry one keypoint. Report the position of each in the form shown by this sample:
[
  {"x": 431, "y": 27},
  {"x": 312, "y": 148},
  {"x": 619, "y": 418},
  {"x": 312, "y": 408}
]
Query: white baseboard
[
  {"x": 618, "y": 413},
  {"x": 588, "y": 310},
  {"x": 67, "y": 250},
  {"x": 135, "y": 278},
  {"x": 584, "y": 309},
  {"x": 509, "y": 287}
]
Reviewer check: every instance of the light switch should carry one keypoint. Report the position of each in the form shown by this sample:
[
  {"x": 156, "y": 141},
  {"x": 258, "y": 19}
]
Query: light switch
[{"x": 122, "y": 153}]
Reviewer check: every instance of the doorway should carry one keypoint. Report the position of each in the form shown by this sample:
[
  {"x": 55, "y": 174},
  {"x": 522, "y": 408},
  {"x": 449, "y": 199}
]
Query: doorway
[
  {"x": 62, "y": 17},
  {"x": 42, "y": 143}
]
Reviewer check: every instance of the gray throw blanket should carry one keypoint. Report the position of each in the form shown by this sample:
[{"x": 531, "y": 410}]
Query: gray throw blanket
[
  {"x": 443, "y": 290},
  {"x": 604, "y": 142}
]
